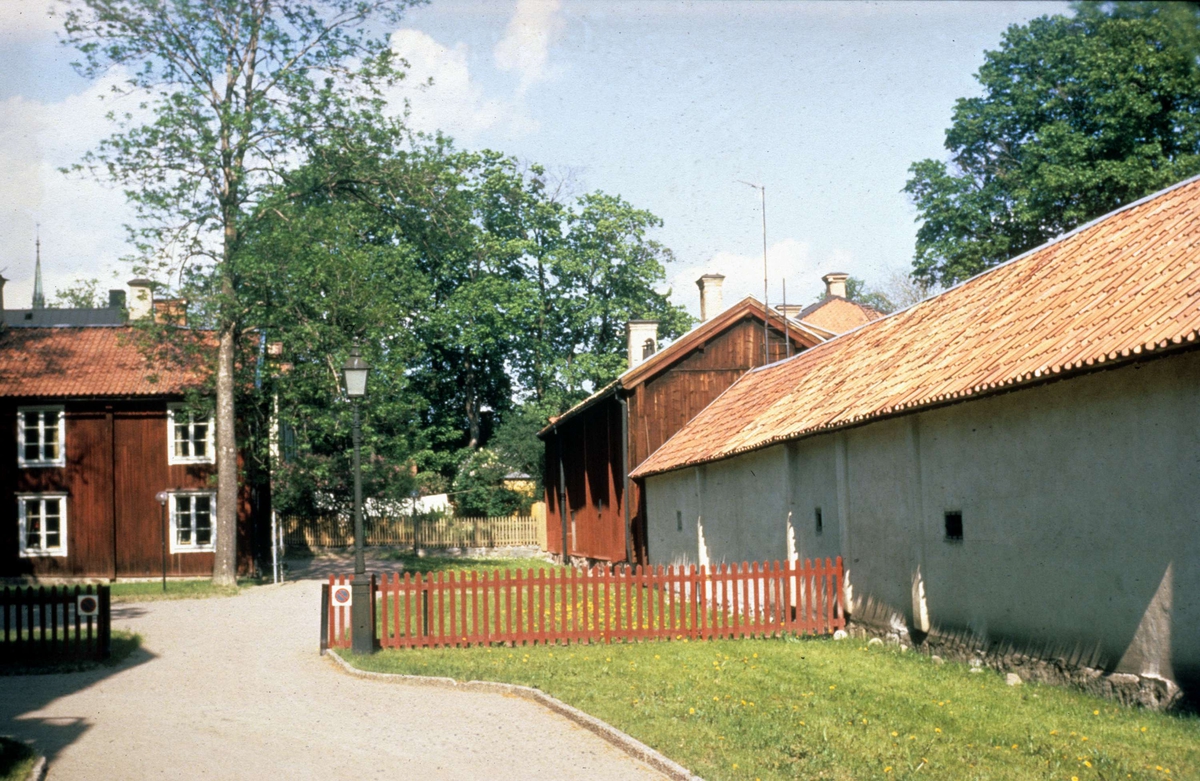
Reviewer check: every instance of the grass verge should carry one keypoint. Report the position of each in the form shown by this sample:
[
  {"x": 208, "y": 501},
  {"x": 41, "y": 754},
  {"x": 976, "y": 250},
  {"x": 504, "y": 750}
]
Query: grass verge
[
  {"x": 824, "y": 709},
  {"x": 152, "y": 591},
  {"x": 123, "y": 644},
  {"x": 410, "y": 562},
  {"x": 16, "y": 760}
]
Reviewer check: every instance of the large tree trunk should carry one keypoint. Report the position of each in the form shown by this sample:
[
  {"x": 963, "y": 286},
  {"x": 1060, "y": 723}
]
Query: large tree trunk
[{"x": 225, "y": 563}]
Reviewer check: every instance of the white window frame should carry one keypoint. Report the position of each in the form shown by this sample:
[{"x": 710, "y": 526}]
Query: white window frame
[
  {"x": 42, "y": 552},
  {"x": 61, "y": 460},
  {"x": 209, "y": 439},
  {"x": 192, "y": 547}
]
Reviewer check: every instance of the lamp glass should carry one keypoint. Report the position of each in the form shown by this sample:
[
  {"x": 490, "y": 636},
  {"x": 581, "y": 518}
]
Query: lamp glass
[
  {"x": 355, "y": 370},
  {"x": 356, "y": 383}
]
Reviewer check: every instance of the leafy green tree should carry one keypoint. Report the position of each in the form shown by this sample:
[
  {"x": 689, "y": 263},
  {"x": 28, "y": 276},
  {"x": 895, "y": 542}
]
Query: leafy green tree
[
  {"x": 83, "y": 294},
  {"x": 605, "y": 271},
  {"x": 233, "y": 89},
  {"x": 1079, "y": 115},
  {"x": 479, "y": 489}
]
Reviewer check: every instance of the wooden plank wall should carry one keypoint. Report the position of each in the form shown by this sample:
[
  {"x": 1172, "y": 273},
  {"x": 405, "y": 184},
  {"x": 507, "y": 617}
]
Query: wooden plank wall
[
  {"x": 591, "y": 451},
  {"x": 116, "y": 453},
  {"x": 658, "y": 407}
]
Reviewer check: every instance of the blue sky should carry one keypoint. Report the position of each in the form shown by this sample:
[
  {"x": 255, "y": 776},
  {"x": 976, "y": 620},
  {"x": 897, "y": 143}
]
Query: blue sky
[{"x": 666, "y": 103}]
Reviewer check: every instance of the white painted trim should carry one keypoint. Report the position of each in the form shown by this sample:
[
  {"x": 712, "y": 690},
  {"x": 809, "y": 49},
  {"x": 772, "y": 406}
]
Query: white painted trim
[
  {"x": 175, "y": 546},
  {"x": 62, "y": 437},
  {"x": 209, "y": 439},
  {"x": 61, "y": 550}
]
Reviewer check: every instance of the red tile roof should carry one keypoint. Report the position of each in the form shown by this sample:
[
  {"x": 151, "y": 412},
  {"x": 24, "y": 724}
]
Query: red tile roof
[
  {"x": 74, "y": 362},
  {"x": 1114, "y": 290},
  {"x": 838, "y": 315}
]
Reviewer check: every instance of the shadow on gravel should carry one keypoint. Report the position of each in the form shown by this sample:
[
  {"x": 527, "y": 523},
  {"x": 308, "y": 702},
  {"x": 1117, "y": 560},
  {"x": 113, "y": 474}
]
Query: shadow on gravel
[{"x": 22, "y": 694}]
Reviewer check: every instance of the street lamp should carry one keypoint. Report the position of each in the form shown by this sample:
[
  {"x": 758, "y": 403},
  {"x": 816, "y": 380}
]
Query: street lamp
[
  {"x": 162, "y": 497},
  {"x": 355, "y": 370}
]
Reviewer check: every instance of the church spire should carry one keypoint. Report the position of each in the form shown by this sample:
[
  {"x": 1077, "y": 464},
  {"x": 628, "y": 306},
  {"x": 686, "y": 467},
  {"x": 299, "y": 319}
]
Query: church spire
[{"x": 39, "y": 298}]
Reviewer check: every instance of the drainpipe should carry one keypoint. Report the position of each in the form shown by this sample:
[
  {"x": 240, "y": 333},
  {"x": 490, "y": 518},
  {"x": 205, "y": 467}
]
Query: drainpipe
[
  {"x": 562, "y": 496},
  {"x": 625, "y": 474}
]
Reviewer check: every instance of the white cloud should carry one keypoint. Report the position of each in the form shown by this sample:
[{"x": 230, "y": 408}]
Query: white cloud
[
  {"x": 81, "y": 220},
  {"x": 789, "y": 259},
  {"x": 27, "y": 19},
  {"x": 453, "y": 102},
  {"x": 525, "y": 47}
]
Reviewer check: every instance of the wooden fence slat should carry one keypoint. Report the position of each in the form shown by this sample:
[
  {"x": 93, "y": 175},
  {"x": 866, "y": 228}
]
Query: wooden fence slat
[{"x": 603, "y": 604}]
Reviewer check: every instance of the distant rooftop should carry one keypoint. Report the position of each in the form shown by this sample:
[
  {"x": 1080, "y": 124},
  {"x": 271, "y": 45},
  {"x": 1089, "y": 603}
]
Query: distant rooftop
[{"x": 47, "y": 318}]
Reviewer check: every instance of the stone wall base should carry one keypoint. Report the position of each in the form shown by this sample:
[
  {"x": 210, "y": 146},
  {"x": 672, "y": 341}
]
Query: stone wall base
[{"x": 1147, "y": 691}]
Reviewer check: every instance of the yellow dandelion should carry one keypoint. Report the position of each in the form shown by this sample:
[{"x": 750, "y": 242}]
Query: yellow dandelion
[
  {"x": 1087, "y": 763},
  {"x": 832, "y": 687},
  {"x": 1014, "y": 746},
  {"x": 895, "y": 734},
  {"x": 887, "y": 769},
  {"x": 937, "y": 729},
  {"x": 691, "y": 711}
]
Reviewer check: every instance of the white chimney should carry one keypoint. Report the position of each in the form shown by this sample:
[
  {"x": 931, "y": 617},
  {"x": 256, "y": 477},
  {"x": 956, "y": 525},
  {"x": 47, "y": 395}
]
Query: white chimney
[
  {"x": 643, "y": 340},
  {"x": 710, "y": 296},
  {"x": 835, "y": 285},
  {"x": 141, "y": 299},
  {"x": 791, "y": 311}
]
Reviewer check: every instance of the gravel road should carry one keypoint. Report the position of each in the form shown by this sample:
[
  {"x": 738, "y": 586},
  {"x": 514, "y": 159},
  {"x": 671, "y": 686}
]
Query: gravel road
[{"x": 234, "y": 688}]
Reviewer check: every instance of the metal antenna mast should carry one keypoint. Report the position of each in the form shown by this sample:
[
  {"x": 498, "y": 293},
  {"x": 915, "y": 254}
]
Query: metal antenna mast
[
  {"x": 787, "y": 335},
  {"x": 766, "y": 308}
]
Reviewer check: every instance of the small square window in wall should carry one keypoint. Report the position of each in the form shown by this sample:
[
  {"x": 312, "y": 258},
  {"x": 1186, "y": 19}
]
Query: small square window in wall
[
  {"x": 42, "y": 524},
  {"x": 192, "y": 529},
  {"x": 190, "y": 437},
  {"x": 954, "y": 526},
  {"x": 819, "y": 524},
  {"x": 41, "y": 432}
]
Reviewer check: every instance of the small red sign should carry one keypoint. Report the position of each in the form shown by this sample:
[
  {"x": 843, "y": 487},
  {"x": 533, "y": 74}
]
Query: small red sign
[{"x": 342, "y": 596}]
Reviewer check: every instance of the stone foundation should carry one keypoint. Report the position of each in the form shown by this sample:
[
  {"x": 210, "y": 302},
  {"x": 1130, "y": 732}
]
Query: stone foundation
[{"x": 1147, "y": 691}]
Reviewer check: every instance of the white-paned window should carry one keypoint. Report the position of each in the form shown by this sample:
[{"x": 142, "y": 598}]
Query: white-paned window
[
  {"x": 40, "y": 435},
  {"x": 192, "y": 527},
  {"x": 191, "y": 437},
  {"x": 42, "y": 524}
]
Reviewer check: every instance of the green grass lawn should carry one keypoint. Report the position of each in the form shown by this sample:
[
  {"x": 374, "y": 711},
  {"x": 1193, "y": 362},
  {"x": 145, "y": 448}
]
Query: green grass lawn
[
  {"x": 411, "y": 562},
  {"x": 825, "y": 709},
  {"x": 152, "y": 591},
  {"x": 16, "y": 760}
]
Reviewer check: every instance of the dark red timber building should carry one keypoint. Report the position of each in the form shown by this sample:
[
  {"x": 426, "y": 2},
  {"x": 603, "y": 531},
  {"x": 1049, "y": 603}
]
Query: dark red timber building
[
  {"x": 90, "y": 433},
  {"x": 592, "y": 448}
]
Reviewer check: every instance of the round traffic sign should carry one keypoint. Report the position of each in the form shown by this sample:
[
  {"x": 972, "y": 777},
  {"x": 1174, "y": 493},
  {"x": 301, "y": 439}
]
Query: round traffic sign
[
  {"x": 341, "y": 595},
  {"x": 87, "y": 605}
]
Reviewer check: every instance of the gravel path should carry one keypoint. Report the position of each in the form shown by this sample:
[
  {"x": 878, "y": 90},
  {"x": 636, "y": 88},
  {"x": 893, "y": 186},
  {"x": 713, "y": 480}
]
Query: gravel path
[{"x": 234, "y": 688}]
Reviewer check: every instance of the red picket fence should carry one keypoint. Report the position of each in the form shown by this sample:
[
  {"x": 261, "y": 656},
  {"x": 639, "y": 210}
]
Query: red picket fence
[
  {"x": 599, "y": 605},
  {"x": 53, "y": 623}
]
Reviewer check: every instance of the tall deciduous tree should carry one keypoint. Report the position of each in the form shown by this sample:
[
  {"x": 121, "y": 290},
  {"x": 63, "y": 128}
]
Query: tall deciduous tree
[
  {"x": 1079, "y": 115},
  {"x": 221, "y": 95}
]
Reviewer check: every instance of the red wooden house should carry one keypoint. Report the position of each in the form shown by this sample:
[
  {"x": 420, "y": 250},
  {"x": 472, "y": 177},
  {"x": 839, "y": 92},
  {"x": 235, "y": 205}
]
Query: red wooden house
[{"x": 89, "y": 434}]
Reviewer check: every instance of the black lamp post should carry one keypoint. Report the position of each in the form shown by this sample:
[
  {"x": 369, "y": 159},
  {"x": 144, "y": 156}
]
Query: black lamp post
[
  {"x": 162, "y": 497},
  {"x": 363, "y": 633}
]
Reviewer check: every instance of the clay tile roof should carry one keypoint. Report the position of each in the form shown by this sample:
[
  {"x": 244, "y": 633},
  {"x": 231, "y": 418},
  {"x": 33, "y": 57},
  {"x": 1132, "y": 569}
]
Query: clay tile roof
[
  {"x": 838, "y": 315},
  {"x": 74, "y": 362},
  {"x": 1120, "y": 287}
]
